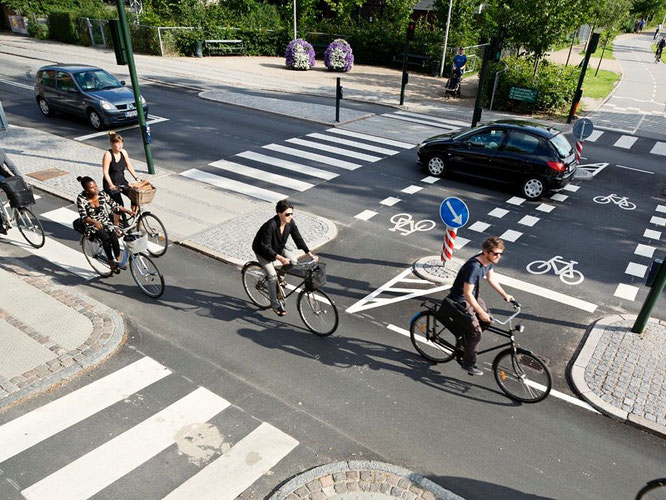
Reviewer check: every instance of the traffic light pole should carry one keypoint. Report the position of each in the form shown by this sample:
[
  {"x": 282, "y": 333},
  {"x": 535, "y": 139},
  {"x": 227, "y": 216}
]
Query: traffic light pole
[
  {"x": 592, "y": 46},
  {"x": 145, "y": 131},
  {"x": 478, "y": 109},
  {"x": 651, "y": 300},
  {"x": 404, "y": 73}
]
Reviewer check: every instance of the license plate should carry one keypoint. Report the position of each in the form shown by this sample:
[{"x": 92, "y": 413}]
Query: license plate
[{"x": 130, "y": 114}]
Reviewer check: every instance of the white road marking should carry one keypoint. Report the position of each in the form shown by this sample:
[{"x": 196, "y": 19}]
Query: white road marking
[
  {"x": 446, "y": 121},
  {"x": 571, "y": 188},
  {"x": 326, "y": 160},
  {"x": 659, "y": 221},
  {"x": 625, "y": 142},
  {"x": 261, "y": 175},
  {"x": 626, "y": 292},
  {"x": 232, "y": 185},
  {"x": 152, "y": 119},
  {"x": 17, "y": 84},
  {"x": 652, "y": 234},
  {"x": 659, "y": 149},
  {"x": 559, "y": 197},
  {"x": 365, "y": 215},
  {"x": 636, "y": 169},
  {"x": 498, "y": 212},
  {"x": 635, "y": 269},
  {"x": 430, "y": 123},
  {"x": 644, "y": 250},
  {"x": 594, "y": 136},
  {"x": 332, "y": 149},
  {"x": 593, "y": 168},
  {"x": 354, "y": 144},
  {"x": 511, "y": 235},
  {"x": 544, "y": 207},
  {"x": 553, "y": 392},
  {"x": 109, "y": 462},
  {"x": 546, "y": 293},
  {"x": 236, "y": 470},
  {"x": 529, "y": 220},
  {"x": 26, "y": 431},
  {"x": 371, "y": 138},
  {"x": 516, "y": 200},
  {"x": 390, "y": 201},
  {"x": 479, "y": 226},
  {"x": 460, "y": 242},
  {"x": 288, "y": 165},
  {"x": 660, "y": 208},
  {"x": 411, "y": 189},
  {"x": 430, "y": 179}
]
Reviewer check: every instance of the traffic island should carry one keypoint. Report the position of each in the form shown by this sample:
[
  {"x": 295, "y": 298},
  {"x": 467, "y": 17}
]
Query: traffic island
[
  {"x": 361, "y": 480},
  {"x": 430, "y": 268}
]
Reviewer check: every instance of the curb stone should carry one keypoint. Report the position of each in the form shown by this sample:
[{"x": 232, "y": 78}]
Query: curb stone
[{"x": 352, "y": 479}]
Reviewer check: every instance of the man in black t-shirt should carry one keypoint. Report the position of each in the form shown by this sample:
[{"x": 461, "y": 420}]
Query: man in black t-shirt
[{"x": 465, "y": 290}]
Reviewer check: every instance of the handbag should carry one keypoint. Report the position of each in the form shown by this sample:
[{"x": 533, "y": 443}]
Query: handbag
[{"x": 79, "y": 226}]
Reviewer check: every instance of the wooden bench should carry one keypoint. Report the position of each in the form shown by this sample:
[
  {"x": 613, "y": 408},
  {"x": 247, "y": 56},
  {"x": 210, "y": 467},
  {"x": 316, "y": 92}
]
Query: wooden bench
[
  {"x": 414, "y": 60},
  {"x": 224, "y": 47},
  {"x": 319, "y": 49}
]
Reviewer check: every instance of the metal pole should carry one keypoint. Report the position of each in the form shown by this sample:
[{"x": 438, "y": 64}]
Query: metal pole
[
  {"x": 294, "y": 19},
  {"x": 651, "y": 300},
  {"x": 573, "y": 37},
  {"x": 492, "y": 97},
  {"x": 578, "y": 94},
  {"x": 338, "y": 96},
  {"x": 479, "y": 93},
  {"x": 135, "y": 85},
  {"x": 446, "y": 40},
  {"x": 404, "y": 73},
  {"x": 603, "y": 51}
]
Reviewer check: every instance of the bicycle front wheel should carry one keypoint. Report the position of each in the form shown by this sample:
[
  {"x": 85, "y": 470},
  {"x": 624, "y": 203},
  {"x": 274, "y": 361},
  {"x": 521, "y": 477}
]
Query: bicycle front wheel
[
  {"x": 30, "y": 227},
  {"x": 147, "y": 276},
  {"x": 256, "y": 285},
  {"x": 653, "y": 490},
  {"x": 432, "y": 339},
  {"x": 523, "y": 377},
  {"x": 152, "y": 226},
  {"x": 95, "y": 256},
  {"x": 318, "y": 312}
]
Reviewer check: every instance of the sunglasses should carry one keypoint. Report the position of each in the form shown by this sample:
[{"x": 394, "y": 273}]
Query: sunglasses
[
  {"x": 289, "y": 214},
  {"x": 497, "y": 253}
]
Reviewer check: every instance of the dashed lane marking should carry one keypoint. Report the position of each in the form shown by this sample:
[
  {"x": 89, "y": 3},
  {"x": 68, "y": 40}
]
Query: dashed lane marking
[
  {"x": 430, "y": 179},
  {"x": 390, "y": 201},
  {"x": 516, "y": 200},
  {"x": 626, "y": 292},
  {"x": 594, "y": 136},
  {"x": 644, "y": 250},
  {"x": 544, "y": 207},
  {"x": 652, "y": 234},
  {"x": 635, "y": 169},
  {"x": 559, "y": 197},
  {"x": 411, "y": 189},
  {"x": 479, "y": 226},
  {"x": 365, "y": 215},
  {"x": 660, "y": 208},
  {"x": 634, "y": 269},
  {"x": 511, "y": 235},
  {"x": 529, "y": 220},
  {"x": 498, "y": 212},
  {"x": 658, "y": 221},
  {"x": 659, "y": 149},
  {"x": 625, "y": 142}
]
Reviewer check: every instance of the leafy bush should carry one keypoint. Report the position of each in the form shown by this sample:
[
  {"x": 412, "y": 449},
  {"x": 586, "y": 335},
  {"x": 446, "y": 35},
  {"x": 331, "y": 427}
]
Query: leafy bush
[
  {"x": 38, "y": 29},
  {"x": 339, "y": 56},
  {"x": 63, "y": 27},
  {"x": 299, "y": 55},
  {"x": 555, "y": 83},
  {"x": 144, "y": 39}
]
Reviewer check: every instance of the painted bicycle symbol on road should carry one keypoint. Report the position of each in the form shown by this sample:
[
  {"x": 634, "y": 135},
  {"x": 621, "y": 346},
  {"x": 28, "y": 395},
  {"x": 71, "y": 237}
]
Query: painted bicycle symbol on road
[
  {"x": 406, "y": 225},
  {"x": 621, "y": 201},
  {"x": 562, "y": 268}
]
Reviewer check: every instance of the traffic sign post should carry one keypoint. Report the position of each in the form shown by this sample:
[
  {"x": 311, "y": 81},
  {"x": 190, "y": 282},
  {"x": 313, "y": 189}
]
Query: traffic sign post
[
  {"x": 455, "y": 214},
  {"x": 582, "y": 129}
]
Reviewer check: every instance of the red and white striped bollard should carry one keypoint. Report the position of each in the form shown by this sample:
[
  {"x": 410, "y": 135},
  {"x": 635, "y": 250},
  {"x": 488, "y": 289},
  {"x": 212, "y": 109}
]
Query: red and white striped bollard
[
  {"x": 448, "y": 245},
  {"x": 579, "y": 150}
]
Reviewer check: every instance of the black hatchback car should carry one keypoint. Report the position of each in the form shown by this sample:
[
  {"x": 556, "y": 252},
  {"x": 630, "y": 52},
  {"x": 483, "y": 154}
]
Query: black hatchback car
[
  {"x": 86, "y": 91},
  {"x": 535, "y": 158}
]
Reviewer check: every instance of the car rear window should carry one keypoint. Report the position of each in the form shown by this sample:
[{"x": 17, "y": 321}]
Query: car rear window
[
  {"x": 65, "y": 81},
  {"x": 520, "y": 142},
  {"x": 562, "y": 146},
  {"x": 46, "y": 78}
]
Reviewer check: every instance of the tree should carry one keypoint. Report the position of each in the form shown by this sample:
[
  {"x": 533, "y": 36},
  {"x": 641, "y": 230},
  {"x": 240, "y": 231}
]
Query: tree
[{"x": 648, "y": 8}]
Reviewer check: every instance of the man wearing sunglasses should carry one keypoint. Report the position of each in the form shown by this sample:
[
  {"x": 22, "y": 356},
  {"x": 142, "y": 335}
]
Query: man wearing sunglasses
[
  {"x": 465, "y": 291},
  {"x": 269, "y": 245}
]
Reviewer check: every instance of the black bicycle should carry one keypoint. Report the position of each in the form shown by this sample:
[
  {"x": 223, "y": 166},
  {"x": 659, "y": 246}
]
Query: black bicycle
[
  {"x": 655, "y": 489},
  {"x": 316, "y": 309},
  {"x": 519, "y": 372}
]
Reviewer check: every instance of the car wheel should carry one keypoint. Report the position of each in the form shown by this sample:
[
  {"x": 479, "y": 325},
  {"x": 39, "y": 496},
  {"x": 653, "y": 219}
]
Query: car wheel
[
  {"x": 436, "y": 165},
  {"x": 533, "y": 188},
  {"x": 95, "y": 120},
  {"x": 44, "y": 107}
]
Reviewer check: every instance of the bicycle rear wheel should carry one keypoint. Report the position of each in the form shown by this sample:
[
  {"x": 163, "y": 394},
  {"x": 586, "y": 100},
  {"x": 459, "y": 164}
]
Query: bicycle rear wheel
[
  {"x": 653, "y": 490},
  {"x": 256, "y": 285},
  {"x": 152, "y": 226},
  {"x": 522, "y": 377},
  {"x": 147, "y": 276},
  {"x": 30, "y": 227},
  {"x": 318, "y": 312},
  {"x": 95, "y": 256},
  {"x": 432, "y": 339}
]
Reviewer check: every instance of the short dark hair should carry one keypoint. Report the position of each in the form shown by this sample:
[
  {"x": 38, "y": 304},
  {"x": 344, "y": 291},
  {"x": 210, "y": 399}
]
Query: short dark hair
[
  {"x": 492, "y": 243},
  {"x": 85, "y": 181},
  {"x": 282, "y": 205}
]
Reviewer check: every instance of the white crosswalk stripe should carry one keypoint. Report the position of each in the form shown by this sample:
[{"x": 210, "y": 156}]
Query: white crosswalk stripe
[
  {"x": 232, "y": 185},
  {"x": 288, "y": 165},
  {"x": 354, "y": 144},
  {"x": 625, "y": 142},
  {"x": 280, "y": 180},
  {"x": 445, "y": 121},
  {"x": 92, "y": 471},
  {"x": 334, "y": 150},
  {"x": 371, "y": 138},
  {"x": 326, "y": 160}
]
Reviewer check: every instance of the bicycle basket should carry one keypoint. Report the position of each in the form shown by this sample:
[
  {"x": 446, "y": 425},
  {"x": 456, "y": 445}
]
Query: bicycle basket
[
  {"x": 140, "y": 195},
  {"x": 18, "y": 192},
  {"x": 315, "y": 277},
  {"x": 136, "y": 242}
]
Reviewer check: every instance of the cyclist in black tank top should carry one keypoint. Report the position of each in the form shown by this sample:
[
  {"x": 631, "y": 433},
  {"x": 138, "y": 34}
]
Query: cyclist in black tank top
[{"x": 114, "y": 163}]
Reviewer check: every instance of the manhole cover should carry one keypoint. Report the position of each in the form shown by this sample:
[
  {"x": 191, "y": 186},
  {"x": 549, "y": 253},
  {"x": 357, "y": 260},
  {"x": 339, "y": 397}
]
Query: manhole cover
[{"x": 49, "y": 173}]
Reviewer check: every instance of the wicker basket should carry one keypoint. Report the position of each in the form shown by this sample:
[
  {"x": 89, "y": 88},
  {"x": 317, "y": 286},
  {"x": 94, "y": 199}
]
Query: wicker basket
[{"x": 141, "y": 195}]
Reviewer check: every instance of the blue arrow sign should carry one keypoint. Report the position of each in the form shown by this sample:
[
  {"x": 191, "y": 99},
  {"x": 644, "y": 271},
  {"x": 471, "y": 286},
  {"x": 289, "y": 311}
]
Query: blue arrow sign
[{"x": 454, "y": 212}]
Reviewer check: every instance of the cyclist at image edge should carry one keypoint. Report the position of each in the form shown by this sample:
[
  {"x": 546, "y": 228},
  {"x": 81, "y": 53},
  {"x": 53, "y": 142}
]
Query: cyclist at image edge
[
  {"x": 269, "y": 245},
  {"x": 465, "y": 290},
  {"x": 7, "y": 169},
  {"x": 660, "y": 47}
]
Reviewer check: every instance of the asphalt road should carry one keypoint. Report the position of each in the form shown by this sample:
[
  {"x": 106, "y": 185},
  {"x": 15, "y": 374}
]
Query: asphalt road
[{"x": 364, "y": 392}]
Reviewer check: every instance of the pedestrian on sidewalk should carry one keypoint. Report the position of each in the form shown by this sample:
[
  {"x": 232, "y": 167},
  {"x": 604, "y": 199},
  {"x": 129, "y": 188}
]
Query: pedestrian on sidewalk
[
  {"x": 95, "y": 211},
  {"x": 114, "y": 163},
  {"x": 7, "y": 169},
  {"x": 657, "y": 31},
  {"x": 642, "y": 25},
  {"x": 465, "y": 291}
]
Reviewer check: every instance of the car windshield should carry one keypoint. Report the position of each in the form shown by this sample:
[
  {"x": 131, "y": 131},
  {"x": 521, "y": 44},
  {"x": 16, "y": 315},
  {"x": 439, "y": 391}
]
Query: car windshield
[
  {"x": 96, "y": 80},
  {"x": 562, "y": 145}
]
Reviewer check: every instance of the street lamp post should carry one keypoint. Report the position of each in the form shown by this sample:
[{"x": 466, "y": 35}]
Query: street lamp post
[
  {"x": 294, "y": 19},
  {"x": 446, "y": 39}
]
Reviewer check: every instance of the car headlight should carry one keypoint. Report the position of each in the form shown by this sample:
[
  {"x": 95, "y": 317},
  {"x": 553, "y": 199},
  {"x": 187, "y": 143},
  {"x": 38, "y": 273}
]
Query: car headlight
[
  {"x": 106, "y": 105},
  {"x": 143, "y": 101}
]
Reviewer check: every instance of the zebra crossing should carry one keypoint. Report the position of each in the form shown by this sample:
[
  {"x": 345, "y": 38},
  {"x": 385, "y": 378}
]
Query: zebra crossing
[
  {"x": 157, "y": 446},
  {"x": 297, "y": 164},
  {"x": 628, "y": 142}
]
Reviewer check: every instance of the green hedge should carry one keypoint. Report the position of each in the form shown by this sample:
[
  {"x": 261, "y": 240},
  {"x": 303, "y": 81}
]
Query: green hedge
[
  {"x": 38, "y": 30},
  {"x": 63, "y": 27},
  {"x": 555, "y": 83},
  {"x": 258, "y": 42}
]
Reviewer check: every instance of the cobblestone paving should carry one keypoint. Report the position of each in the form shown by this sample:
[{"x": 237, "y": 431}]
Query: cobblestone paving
[{"x": 628, "y": 370}]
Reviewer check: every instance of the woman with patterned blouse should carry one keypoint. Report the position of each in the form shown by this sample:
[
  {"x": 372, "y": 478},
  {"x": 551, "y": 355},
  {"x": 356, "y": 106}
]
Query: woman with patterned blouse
[{"x": 95, "y": 209}]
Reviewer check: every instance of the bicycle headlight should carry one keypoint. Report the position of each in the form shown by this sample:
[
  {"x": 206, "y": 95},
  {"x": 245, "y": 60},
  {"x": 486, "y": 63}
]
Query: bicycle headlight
[{"x": 520, "y": 328}]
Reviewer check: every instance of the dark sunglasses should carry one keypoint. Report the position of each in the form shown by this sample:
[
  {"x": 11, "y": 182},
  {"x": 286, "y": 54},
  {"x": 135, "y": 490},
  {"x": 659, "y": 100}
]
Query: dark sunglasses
[
  {"x": 289, "y": 214},
  {"x": 497, "y": 253}
]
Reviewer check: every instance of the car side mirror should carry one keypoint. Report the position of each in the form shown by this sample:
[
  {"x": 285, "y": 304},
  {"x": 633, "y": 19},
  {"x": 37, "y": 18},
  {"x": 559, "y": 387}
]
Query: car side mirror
[
  {"x": 468, "y": 145},
  {"x": 122, "y": 82}
]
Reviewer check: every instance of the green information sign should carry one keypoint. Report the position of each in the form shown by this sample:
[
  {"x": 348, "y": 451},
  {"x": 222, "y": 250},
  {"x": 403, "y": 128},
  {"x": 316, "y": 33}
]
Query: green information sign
[{"x": 523, "y": 94}]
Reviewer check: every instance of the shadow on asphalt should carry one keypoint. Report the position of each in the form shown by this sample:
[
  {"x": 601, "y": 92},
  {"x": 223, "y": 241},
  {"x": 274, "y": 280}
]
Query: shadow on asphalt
[{"x": 472, "y": 489}]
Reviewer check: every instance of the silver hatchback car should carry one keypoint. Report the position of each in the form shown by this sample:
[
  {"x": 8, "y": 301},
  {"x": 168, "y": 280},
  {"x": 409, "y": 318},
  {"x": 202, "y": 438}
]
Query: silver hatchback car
[{"x": 86, "y": 91}]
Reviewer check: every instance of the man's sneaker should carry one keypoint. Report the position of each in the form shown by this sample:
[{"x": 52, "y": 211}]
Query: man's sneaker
[
  {"x": 3, "y": 229},
  {"x": 472, "y": 369}
]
